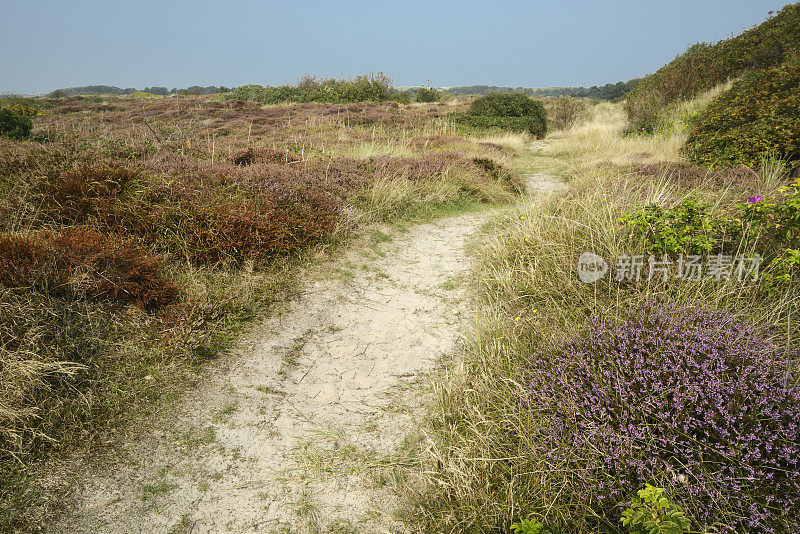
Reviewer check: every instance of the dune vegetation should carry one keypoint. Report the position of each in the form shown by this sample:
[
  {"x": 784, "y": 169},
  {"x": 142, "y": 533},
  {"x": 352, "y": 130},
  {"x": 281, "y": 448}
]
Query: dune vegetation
[
  {"x": 660, "y": 395},
  {"x": 140, "y": 236},
  {"x": 633, "y": 363}
]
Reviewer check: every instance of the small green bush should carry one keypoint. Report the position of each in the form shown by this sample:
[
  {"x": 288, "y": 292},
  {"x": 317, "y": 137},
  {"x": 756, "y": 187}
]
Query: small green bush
[
  {"x": 509, "y": 111},
  {"x": 427, "y": 94},
  {"x": 644, "y": 112},
  {"x": 653, "y": 513},
  {"x": 565, "y": 112},
  {"x": 528, "y": 526},
  {"x": 13, "y": 125},
  {"x": 759, "y": 115},
  {"x": 506, "y": 105}
]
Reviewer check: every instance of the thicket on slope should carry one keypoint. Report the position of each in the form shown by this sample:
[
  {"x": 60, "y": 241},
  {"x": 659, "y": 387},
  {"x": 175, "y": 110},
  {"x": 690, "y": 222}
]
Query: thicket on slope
[
  {"x": 704, "y": 65},
  {"x": 759, "y": 116},
  {"x": 510, "y": 111}
]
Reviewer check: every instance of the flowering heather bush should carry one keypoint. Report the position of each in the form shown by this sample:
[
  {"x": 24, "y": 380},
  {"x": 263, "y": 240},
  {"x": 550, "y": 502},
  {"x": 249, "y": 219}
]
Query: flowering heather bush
[{"x": 692, "y": 400}]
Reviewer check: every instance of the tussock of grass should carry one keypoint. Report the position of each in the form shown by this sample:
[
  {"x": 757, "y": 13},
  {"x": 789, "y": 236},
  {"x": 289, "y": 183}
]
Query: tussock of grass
[{"x": 515, "y": 142}]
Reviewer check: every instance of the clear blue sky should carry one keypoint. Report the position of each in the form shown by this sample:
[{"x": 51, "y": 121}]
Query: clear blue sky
[{"x": 45, "y": 44}]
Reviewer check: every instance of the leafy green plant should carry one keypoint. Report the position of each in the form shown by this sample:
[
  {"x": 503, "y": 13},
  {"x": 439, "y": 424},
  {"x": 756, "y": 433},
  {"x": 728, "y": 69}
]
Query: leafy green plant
[
  {"x": 653, "y": 513},
  {"x": 686, "y": 228},
  {"x": 529, "y": 526},
  {"x": 779, "y": 218},
  {"x": 781, "y": 270}
]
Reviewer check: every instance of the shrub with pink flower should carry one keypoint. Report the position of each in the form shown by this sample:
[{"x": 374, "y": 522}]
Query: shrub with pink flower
[{"x": 694, "y": 400}]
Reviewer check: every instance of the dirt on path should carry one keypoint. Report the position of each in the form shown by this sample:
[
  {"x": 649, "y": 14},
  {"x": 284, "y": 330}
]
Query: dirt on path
[
  {"x": 280, "y": 440},
  {"x": 292, "y": 434}
]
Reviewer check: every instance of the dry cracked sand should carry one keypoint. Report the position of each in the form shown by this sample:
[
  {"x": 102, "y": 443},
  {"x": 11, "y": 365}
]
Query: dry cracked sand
[{"x": 294, "y": 432}]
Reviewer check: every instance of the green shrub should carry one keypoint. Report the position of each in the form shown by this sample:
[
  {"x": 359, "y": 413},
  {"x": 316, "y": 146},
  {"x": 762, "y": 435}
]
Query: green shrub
[
  {"x": 759, "y": 115},
  {"x": 427, "y": 94},
  {"x": 13, "y": 125},
  {"x": 510, "y": 111},
  {"x": 23, "y": 105},
  {"x": 529, "y": 526},
  {"x": 565, "y": 112},
  {"x": 687, "y": 228},
  {"x": 652, "y": 512},
  {"x": 779, "y": 217},
  {"x": 506, "y": 105},
  {"x": 644, "y": 112}
]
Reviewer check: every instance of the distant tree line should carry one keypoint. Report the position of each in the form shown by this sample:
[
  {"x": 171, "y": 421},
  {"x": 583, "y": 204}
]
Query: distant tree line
[
  {"x": 609, "y": 91},
  {"x": 113, "y": 90},
  {"x": 310, "y": 88}
]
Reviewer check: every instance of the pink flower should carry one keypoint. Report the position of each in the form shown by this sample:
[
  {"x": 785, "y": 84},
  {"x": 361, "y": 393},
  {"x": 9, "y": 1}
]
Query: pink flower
[{"x": 754, "y": 200}]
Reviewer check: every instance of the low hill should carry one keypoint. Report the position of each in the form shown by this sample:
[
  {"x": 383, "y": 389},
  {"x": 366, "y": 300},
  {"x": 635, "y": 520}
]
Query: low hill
[{"x": 705, "y": 65}]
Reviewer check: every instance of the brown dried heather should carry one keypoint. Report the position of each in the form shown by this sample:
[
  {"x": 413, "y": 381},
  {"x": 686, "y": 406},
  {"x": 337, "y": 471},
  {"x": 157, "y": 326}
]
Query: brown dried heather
[
  {"x": 81, "y": 261},
  {"x": 29, "y": 261},
  {"x": 76, "y": 195},
  {"x": 276, "y": 217}
]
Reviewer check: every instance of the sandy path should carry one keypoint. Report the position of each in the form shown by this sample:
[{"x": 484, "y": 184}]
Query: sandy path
[
  {"x": 294, "y": 432},
  {"x": 285, "y": 437}
]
